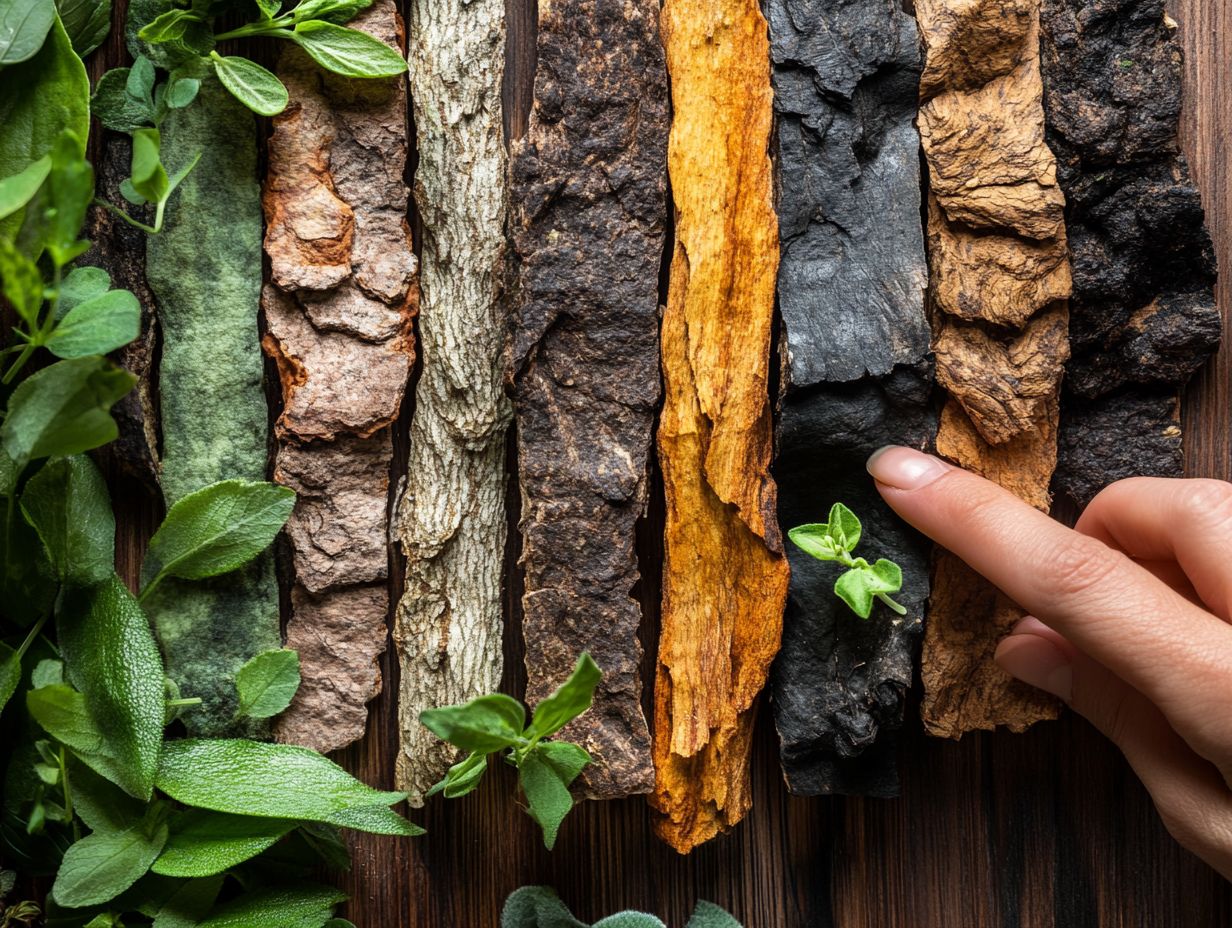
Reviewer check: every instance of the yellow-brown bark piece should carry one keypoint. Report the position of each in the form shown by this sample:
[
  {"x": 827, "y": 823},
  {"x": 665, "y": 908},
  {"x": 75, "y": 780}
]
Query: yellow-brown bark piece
[
  {"x": 725, "y": 576},
  {"x": 1000, "y": 278}
]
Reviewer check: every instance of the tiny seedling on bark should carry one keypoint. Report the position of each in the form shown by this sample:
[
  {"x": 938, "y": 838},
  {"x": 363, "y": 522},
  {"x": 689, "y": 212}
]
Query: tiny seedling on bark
[{"x": 862, "y": 582}]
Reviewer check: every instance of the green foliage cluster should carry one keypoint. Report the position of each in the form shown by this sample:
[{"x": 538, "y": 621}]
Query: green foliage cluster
[
  {"x": 862, "y": 582},
  {"x": 540, "y": 907}
]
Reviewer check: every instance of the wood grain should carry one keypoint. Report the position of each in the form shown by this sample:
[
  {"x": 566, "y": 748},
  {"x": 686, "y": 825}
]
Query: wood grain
[{"x": 1048, "y": 828}]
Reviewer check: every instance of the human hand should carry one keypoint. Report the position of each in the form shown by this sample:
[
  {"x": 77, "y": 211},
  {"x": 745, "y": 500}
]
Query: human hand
[{"x": 1129, "y": 623}]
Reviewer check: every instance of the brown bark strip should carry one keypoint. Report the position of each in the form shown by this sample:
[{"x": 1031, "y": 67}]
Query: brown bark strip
[
  {"x": 1000, "y": 277},
  {"x": 725, "y": 576},
  {"x": 338, "y": 312},
  {"x": 589, "y": 216}
]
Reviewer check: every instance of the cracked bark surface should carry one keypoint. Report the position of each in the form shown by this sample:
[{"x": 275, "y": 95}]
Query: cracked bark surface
[
  {"x": 851, "y": 284},
  {"x": 451, "y": 519},
  {"x": 1000, "y": 276},
  {"x": 1143, "y": 314},
  {"x": 589, "y": 216},
  {"x": 725, "y": 575},
  {"x": 338, "y": 312}
]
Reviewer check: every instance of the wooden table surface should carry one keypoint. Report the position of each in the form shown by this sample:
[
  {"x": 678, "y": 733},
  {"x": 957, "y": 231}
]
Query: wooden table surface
[{"x": 1014, "y": 831}]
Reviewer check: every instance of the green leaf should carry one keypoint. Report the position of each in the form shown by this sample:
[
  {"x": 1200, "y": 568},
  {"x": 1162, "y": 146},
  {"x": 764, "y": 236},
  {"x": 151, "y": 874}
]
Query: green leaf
[
  {"x": 462, "y": 777},
  {"x": 149, "y": 177},
  {"x": 98, "y": 802},
  {"x": 64, "y": 409},
  {"x": 629, "y": 920},
  {"x": 267, "y": 683},
  {"x": 100, "y": 867},
  {"x": 140, "y": 83},
  {"x": 81, "y": 284},
  {"x": 170, "y": 26},
  {"x": 536, "y": 907},
  {"x": 217, "y": 529},
  {"x": 115, "y": 107},
  {"x": 254, "y": 86},
  {"x": 97, "y": 326},
  {"x": 887, "y": 577},
  {"x": 333, "y": 11},
  {"x": 566, "y": 758},
  {"x": 10, "y": 673},
  {"x": 47, "y": 672},
  {"x": 858, "y": 587},
  {"x": 709, "y": 915},
  {"x": 61, "y": 712},
  {"x": 268, "y": 8},
  {"x": 347, "y": 51},
  {"x": 22, "y": 283},
  {"x": 377, "y": 820},
  {"x": 189, "y": 903},
  {"x": 87, "y": 23},
  {"x": 301, "y": 906},
  {"x": 484, "y": 725},
  {"x": 571, "y": 699},
  {"x": 64, "y": 199},
  {"x": 547, "y": 796},
  {"x": 268, "y": 780},
  {"x": 207, "y": 843},
  {"x": 111, "y": 657},
  {"x": 18, "y": 190},
  {"x": 67, "y": 504},
  {"x": 24, "y": 25},
  {"x": 844, "y": 527},
  {"x": 181, "y": 92},
  {"x": 815, "y": 539}
]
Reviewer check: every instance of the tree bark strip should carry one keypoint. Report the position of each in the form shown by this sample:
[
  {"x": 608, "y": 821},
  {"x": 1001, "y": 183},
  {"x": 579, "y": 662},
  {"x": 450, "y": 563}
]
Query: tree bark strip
[
  {"x": 204, "y": 269},
  {"x": 589, "y": 216},
  {"x": 451, "y": 520},
  {"x": 339, "y": 309},
  {"x": 1143, "y": 315},
  {"x": 851, "y": 284},
  {"x": 725, "y": 576},
  {"x": 1000, "y": 276}
]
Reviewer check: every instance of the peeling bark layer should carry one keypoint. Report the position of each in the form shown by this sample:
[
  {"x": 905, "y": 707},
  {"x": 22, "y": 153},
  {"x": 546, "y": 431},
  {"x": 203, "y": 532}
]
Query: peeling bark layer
[
  {"x": 1000, "y": 276},
  {"x": 588, "y": 218},
  {"x": 851, "y": 283},
  {"x": 451, "y": 520},
  {"x": 1143, "y": 315},
  {"x": 725, "y": 576},
  {"x": 204, "y": 269},
  {"x": 338, "y": 313}
]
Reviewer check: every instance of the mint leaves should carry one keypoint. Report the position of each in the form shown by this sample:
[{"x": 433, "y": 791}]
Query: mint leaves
[
  {"x": 492, "y": 724},
  {"x": 834, "y": 540}
]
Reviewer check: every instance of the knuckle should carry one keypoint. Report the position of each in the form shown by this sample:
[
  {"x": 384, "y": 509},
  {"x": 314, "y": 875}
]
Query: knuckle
[{"x": 1081, "y": 564}]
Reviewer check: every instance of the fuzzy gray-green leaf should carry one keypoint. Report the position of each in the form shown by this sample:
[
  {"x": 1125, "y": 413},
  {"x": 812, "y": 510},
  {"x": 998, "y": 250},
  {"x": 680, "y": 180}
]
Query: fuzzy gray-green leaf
[{"x": 67, "y": 504}]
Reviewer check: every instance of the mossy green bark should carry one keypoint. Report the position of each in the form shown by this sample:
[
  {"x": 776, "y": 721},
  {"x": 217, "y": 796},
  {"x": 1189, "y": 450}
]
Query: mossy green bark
[{"x": 205, "y": 271}]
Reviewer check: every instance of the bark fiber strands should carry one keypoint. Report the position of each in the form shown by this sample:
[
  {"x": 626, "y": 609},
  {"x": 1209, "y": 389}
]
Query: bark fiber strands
[
  {"x": 851, "y": 284},
  {"x": 204, "y": 268},
  {"x": 338, "y": 311},
  {"x": 451, "y": 519},
  {"x": 725, "y": 575},
  {"x": 1000, "y": 276},
  {"x": 1143, "y": 315},
  {"x": 589, "y": 217}
]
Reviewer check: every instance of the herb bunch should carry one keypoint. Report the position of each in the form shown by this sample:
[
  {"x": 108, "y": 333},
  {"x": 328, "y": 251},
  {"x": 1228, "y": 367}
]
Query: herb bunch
[{"x": 862, "y": 582}]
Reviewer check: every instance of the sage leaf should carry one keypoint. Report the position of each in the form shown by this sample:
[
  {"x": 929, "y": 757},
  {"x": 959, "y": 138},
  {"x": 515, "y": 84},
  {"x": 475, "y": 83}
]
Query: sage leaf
[
  {"x": 258, "y": 89},
  {"x": 10, "y": 673},
  {"x": 377, "y": 820},
  {"x": 348, "y": 52},
  {"x": 149, "y": 177},
  {"x": 547, "y": 796},
  {"x": 47, "y": 672},
  {"x": 24, "y": 25},
  {"x": 564, "y": 757},
  {"x": 268, "y": 8},
  {"x": 844, "y": 527},
  {"x": 301, "y": 906},
  {"x": 462, "y": 777},
  {"x": 170, "y": 26},
  {"x": 332, "y": 11},
  {"x": 815, "y": 539},
  {"x": 64, "y": 198},
  {"x": 116, "y": 107},
  {"x": 97, "y": 326},
  {"x": 98, "y": 802},
  {"x": 484, "y": 725},
  {"x": 68, "y": 506},
  {"x": 18, "y": 190},
  {"x": 571, "y": 699},
  {"x": 81, "y": 284},
  {"x": 190, "y": 902},
  {"x": 181, "y": 91},
  {"x": 537, "y": 907},
  {"x": 709, "y": 915},
  {"x": 21, "y": 283},
  {"x": 64, "y": 409},
  {"x": 207, "y": 843},
  {"x": 87, "y": 23},
  {"x": 99, "y": 867},
  {"x": 267, "y": 683},
  {"x": 860, "y": 585}
]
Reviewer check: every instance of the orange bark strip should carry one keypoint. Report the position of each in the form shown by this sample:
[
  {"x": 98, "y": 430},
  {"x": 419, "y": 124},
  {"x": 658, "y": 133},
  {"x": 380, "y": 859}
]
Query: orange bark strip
[{"x": 725, "y": 577}]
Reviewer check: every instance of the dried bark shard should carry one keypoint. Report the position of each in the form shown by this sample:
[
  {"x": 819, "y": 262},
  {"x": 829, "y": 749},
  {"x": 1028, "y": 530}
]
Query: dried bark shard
[
  {"x": 589, "y": 215},
  {"x": 1143, "y": 315},
  {"x": 451, "y": 520},
  {"x": 338, "y": 312},
  {"x": 725, "y": 575},
  {"x": 204, "y": 268},
  {"x": 999, "y": 280},
  {"x": 851, "y": 283}
]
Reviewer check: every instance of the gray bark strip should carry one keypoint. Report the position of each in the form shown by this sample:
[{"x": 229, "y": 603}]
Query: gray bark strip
[
  {"x": 451, "y": 519},
  {"x": 588, "y": 218},
  {"x": 1142, "y": 315},
  {"x": 339, "y": 309},
  {"x": 851, "y": 283}
]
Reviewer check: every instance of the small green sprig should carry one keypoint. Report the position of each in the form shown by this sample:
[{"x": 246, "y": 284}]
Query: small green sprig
[
  {"x": 862, "y": 582},
  {"x": 491, "y": 724}
]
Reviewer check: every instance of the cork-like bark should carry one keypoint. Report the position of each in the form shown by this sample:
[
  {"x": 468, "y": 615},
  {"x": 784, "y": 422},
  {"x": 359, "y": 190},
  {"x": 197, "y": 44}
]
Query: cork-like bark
[
  {"x": 851, "y": 283},
  {"x": 725, "y": 575},
  {"x": 589, "y": 216},
  {"x": 451, "y": 519},
  {"x": 338, "y": 314},
  {"x": 1000, "y": 276},
  {"x": 1143, "y": 315},
  {"x": 204, "y": 269}
]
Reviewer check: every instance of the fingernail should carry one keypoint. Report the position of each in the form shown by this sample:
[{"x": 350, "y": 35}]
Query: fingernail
[
  {"x": 1036, "y": 661},
  {"x": 905, "y": 468}
]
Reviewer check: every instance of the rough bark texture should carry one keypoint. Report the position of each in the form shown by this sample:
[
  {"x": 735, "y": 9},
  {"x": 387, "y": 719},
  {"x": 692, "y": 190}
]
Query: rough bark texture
[
  {"x": 204, "y": 268},
  {"x": 588, "y": 218},
  {"x": 724, "y": 574},
  {"x": 851, "y": 283},
  {"x": 451, "y": 519},
  {"x": 999, "y": 279},
  {"x": 1143, "y": 314},
  {"x": 338, "y": 313}
]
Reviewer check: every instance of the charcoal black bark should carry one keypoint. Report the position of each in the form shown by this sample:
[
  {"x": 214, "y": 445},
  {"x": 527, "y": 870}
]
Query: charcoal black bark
[{"x": 855, "y": 340}]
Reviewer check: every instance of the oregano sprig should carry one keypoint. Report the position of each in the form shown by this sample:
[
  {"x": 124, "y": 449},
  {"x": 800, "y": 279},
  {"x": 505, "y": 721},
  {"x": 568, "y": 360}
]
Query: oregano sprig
[{"x": 862, "y": 582}]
